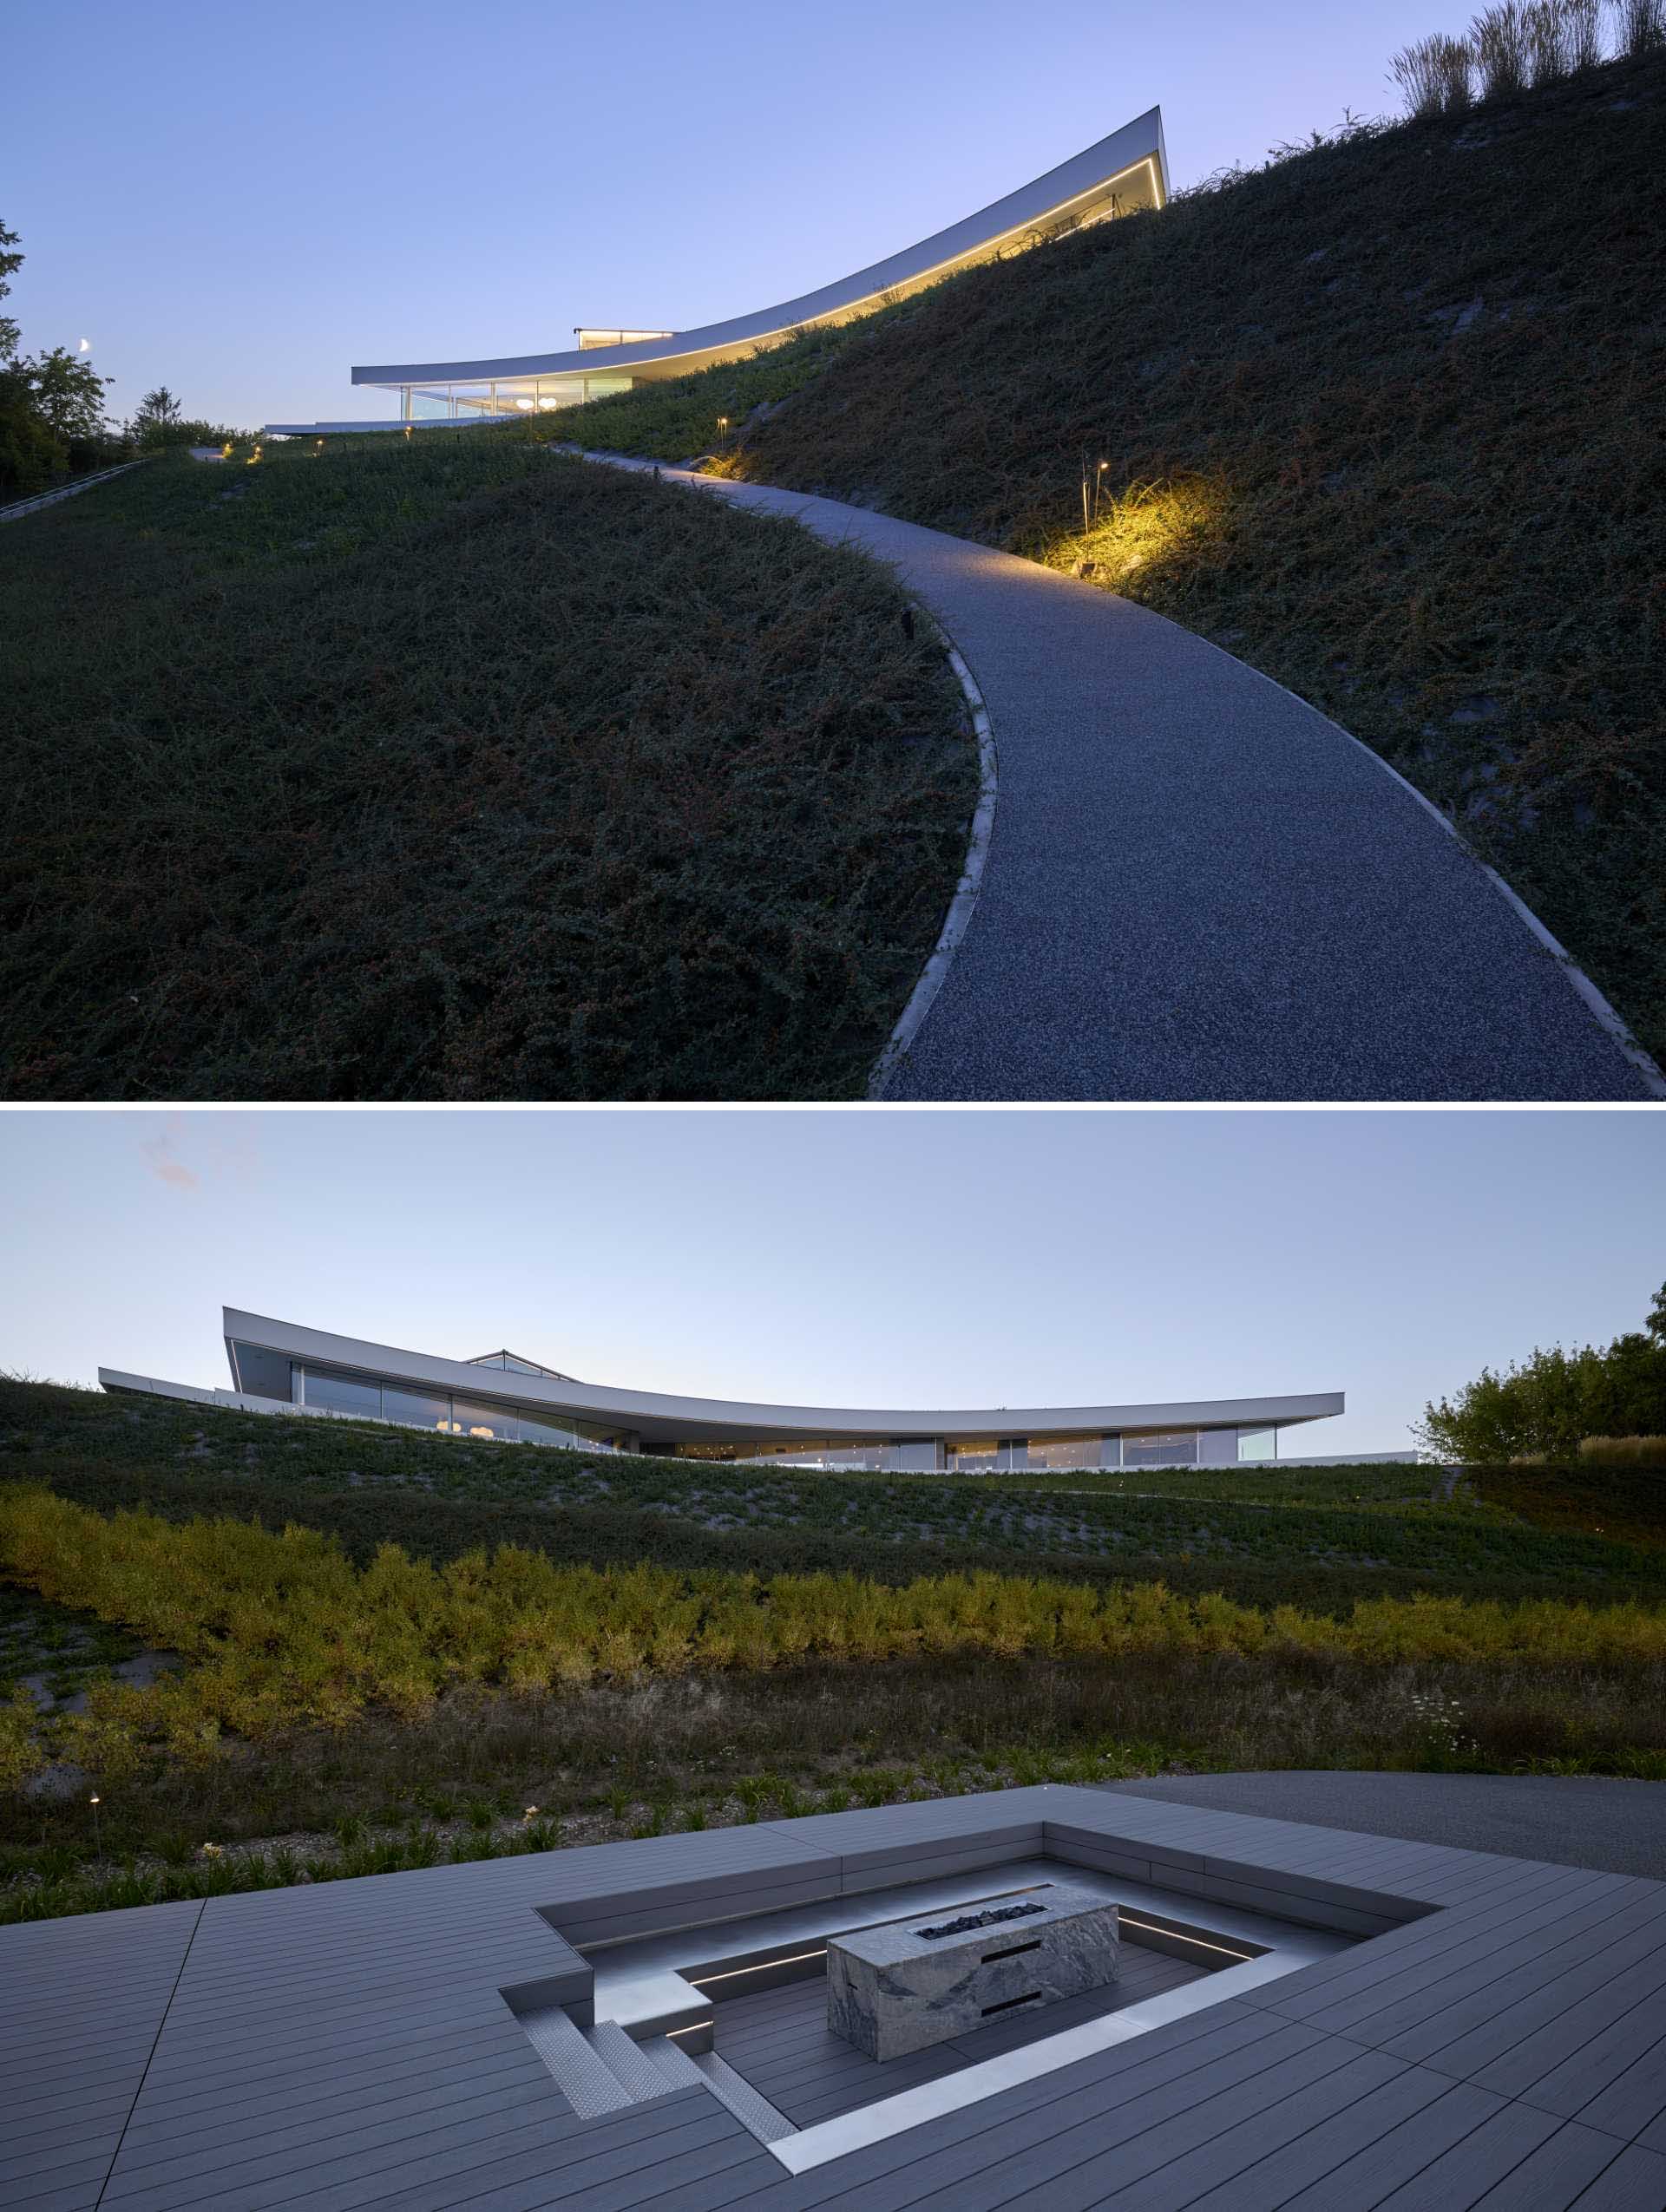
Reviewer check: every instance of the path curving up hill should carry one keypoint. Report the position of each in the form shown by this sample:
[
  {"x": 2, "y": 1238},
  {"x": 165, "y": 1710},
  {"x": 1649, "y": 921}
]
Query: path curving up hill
[{"x": 1199, "y": 886}]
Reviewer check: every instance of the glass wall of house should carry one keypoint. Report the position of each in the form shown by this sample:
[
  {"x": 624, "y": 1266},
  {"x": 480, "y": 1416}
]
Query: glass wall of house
[
  {"x": 1161, "y": 1447},
  {"x": 827, "y": 1454},
  {"x": 522, "y": 396},
  {"x": 261, "y": 1373},
  {"x": 336, "y": 1389},
  {"x": 1006, "y": 1454}
]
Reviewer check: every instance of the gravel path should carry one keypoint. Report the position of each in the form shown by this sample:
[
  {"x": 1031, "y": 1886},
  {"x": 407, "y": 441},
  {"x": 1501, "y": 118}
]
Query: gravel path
[
  {"x": 1199, "y": 887},
  {"x": 1573, "y": 1820}
]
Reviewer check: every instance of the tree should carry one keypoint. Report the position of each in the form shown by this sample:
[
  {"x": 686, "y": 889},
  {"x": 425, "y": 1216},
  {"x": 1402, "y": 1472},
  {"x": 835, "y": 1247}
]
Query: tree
[
  {"x": 10, "y": 265},
  {"x": 156, "y": 415},
  {"x": 51, "y": 404},
  {"x": 69, "y": 393},
  {"x": 1553, "y": 1400}
]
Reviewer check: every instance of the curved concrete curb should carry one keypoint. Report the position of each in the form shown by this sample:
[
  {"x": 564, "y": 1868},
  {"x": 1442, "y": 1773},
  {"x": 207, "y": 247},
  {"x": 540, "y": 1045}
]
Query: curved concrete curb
[
  {"x": 958, "y": 920},
  {"x": 1194, "y": 891},
  {"x": 1652, "y": 1077}
]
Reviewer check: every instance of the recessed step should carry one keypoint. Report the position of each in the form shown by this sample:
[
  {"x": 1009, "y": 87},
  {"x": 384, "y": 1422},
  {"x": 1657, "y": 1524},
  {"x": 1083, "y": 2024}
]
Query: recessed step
[
  {"x": 626, "y": 2059},
  {"x": 671, "y": 2060},
  {"x": 584, "y": 2077},
  {"x": 753, "y": 2112}
]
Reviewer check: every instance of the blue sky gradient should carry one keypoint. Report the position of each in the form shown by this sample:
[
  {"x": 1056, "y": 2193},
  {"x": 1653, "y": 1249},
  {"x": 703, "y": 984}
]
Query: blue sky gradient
[
  {"x": 240, "y": 203},
  {"x": 848, "y": 1258}
]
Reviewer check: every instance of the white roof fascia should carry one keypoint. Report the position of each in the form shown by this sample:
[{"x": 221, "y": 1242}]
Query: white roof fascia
[
  {"x": 1136, "y": 145},
  {"x": 659, "y": 1411}
]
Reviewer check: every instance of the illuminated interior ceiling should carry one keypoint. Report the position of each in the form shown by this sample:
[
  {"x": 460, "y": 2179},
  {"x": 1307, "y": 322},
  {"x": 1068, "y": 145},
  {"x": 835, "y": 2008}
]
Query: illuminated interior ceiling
[{"x": 1118, "y": 175}]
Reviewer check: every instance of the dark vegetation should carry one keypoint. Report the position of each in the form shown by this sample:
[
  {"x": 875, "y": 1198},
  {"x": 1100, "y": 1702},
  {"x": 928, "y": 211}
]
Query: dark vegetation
[
  {"x": 52, "y": 425},
  {"x": 642, "y": 1755},
  {"x": 1622, "y": 1504},
  {"x": 455, "y": 769},
  {"x": 1322, "y": 1538},
  {"x": 698, "y": 1752},
  {"x": 1381, "y": 417}
]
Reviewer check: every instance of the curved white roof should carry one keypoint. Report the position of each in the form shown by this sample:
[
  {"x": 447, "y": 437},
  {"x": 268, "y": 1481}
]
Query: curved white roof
[
  {"x": 1130, "y": 164},
  {"x": 656, "y": 1413}
]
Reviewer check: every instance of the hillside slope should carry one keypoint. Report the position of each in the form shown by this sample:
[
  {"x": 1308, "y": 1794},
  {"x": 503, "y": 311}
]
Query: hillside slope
[{"x": 1384, "y": 419}]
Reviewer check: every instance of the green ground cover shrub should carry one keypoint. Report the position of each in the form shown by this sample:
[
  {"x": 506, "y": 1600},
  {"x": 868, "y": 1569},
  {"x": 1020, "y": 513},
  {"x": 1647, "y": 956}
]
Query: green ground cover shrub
[
  {"x": 283, "y": 1630},
  {"x": 457, "y": 769},
  {"x": 435, "y": 1753},
  {"x": 1321, "y": 1538},
  {"x": 1375, "y": 421}
]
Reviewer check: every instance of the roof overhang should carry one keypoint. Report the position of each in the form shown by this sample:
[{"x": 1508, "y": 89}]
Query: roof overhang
[
  {"x": 1130, "y": 164},
  {"x": 656, "y": 1413}
]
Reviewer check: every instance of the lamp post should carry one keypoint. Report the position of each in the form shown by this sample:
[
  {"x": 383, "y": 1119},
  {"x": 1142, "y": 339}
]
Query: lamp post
[{"x": 98, "y": 1848}]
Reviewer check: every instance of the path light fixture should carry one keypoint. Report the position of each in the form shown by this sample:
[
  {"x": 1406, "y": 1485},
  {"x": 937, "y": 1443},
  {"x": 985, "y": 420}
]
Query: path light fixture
[
  {"x": 98, "y": 1848},
  {"x": 723, "y": 425}
]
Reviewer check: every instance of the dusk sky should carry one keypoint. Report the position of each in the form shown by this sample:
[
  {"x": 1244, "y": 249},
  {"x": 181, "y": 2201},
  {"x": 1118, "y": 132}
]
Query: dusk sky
[
  {"x": 909, "y": 1259},
  {"x": 240, "y": 203}
]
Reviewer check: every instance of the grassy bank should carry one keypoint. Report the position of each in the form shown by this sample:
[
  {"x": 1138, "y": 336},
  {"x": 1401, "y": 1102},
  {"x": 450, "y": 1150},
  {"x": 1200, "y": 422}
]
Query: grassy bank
[
  {"x": 1374, "y": 418},
  {"x": 374, "y": 1648},
  {"x": 1320, "y": 1538},
  {"x": 657, "y": 1758},
  {"x": 458, "y": 770},
  {"x": 278, "y": 1629}
]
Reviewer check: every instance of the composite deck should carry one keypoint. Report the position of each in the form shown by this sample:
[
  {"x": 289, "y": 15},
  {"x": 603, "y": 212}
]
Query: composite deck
[
  {"x": 1498, "y": 2040},
  {"x": 779, "y": 2041}
]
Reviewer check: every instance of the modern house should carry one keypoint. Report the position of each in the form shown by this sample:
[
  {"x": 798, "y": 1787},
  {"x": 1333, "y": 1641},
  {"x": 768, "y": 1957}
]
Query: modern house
[
  {"x": 1121, "y": 173},
  {"x": 280, "y": 1366}
]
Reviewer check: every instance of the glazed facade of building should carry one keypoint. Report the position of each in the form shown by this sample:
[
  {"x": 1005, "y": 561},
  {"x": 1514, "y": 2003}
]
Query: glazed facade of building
[{"x": 281, "y": 1366}]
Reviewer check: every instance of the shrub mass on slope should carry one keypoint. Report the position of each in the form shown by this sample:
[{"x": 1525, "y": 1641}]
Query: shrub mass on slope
[
  {"x": 391, "y": 1645},
  {"x": 458, "y": 770}
]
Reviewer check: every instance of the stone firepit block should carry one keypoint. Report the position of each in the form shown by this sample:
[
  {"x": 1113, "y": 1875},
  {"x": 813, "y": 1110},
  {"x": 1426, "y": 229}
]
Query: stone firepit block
[{"x": 912, "y": 1983}]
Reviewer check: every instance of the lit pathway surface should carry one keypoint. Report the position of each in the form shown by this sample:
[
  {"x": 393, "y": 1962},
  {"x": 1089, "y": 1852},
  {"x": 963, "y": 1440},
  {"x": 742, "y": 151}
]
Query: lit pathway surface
[
  {"x": 1198, "y": 886},
  {"x": 1573, "y": 1820}
]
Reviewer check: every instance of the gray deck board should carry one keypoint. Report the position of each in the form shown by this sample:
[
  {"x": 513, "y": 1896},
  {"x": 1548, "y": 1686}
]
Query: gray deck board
[
  {"x": 1065, "y": 2171},
  {"x": 346, "y": 2048},
  {"x": 1280, "y": 2120},
  {"x": 780, "y": 2041},
  {"x": 1556, "y": 2175},
  {"x": 1635, "y": 2182},
  {"x": 1293, "y": 2167},
  {"x": 1477, "y": 2166}
]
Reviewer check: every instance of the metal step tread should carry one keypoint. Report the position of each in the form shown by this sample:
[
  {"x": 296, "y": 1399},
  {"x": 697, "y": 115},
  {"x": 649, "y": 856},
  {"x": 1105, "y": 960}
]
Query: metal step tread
[
  {"x": 753, "y": 2112},
  {"x": 584, "y": 2077},
  {"x": 673, "y": 2062},
  {"x": 626, "y": 2057}
]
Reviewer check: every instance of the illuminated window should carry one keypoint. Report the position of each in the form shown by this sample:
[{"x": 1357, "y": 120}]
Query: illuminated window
[
  {"x": 468, "y": 1420},
  {"x": 1167, "y": 1447},
  {"x": 416, "y": 1408}
]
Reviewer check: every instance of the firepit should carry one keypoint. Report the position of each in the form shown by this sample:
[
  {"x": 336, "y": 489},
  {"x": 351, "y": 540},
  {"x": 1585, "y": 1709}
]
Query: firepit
[{"x": 909, "y": 1984}]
